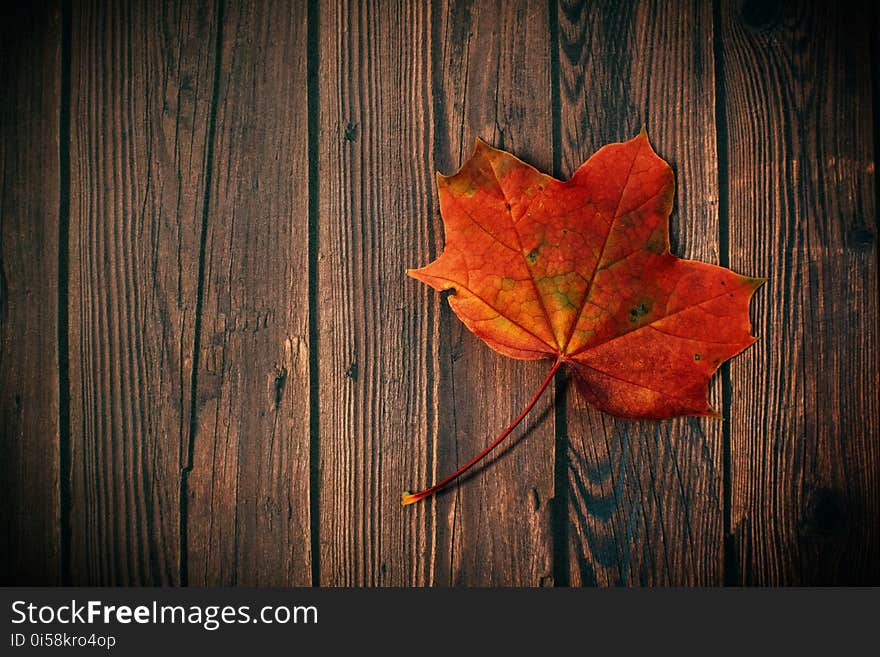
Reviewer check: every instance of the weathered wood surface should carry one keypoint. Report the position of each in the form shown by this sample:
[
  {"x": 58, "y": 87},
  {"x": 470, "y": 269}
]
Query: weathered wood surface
[
  {"x": 378, "y": 338},
  {"x": 492, "y": 80},
  {"x": 644, "y": 499},
  {"x": 214, "y": 371},
  {"x": 805, "y": 436},
  {"x": 140, "y": 96},
  {"x": 247, "y": 505},
  {"x": 30, "y": 395}
]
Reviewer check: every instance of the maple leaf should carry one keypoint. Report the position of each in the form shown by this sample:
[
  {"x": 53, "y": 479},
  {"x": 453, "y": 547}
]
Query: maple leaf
[{"x": 580, "y": 272}]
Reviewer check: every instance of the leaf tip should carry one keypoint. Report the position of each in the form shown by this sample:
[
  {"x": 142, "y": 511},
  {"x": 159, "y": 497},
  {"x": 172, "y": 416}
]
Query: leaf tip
[
  {"x": 416, "y": 273},
  {"x": 753, "y": 283},
  {"x": 481, "y": 147},
  {"x": 710, "y": 412},
  {"x": 643, "y": 137}
]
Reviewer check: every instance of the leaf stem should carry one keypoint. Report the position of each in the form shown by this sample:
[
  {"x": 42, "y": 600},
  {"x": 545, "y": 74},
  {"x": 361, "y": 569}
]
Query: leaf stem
[{"x": 411, "y": 498}]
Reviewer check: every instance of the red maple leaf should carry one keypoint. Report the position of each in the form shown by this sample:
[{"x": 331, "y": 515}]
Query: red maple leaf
[{"x": 579, "y": 272}]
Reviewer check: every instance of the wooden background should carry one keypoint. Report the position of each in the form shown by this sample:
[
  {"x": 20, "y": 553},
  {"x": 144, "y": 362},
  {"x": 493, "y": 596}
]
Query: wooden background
[{"x": 214, "y": 372}]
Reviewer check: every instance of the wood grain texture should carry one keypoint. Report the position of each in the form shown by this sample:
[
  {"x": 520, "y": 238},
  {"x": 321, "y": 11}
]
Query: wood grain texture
[
  {"x": 378, "y": 330},
  {"x": 645, "y": 500},
  {"x": 492, "y": 80},
  {"x": 804, "y": 414},
  {"x": 140, "y": 92},
  {"x": 30, "y": 102},
  {"x": 248, "y": 491}
]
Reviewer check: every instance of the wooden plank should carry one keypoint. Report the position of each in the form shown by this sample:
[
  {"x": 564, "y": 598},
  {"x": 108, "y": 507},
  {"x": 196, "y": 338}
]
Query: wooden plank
[
  {"x": 248, "y": 492},
  {"x": 387, "y": 407},
  {"x": 644, "y": 499},
  {"x": 30, "y": 77},
  {"x": 804, "y": 413},
  {"x": 140, "y": 94},
  {"x": 492, "y": 80},
  {"x": 378, "y": 330}
]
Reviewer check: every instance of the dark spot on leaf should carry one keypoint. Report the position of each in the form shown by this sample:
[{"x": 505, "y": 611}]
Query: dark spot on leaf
[
  {"x": 639, "y": 311},
  {"x": 723, "y": 283},
  {"x": 352, "y": 371},
  {"x": 654, "y": 246},
  {"x": 532, "y": 257},
  {"x": 350, "y": 132},
  {"x": 507, "y": 205},
  {"x": 696, "y": 356}
]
